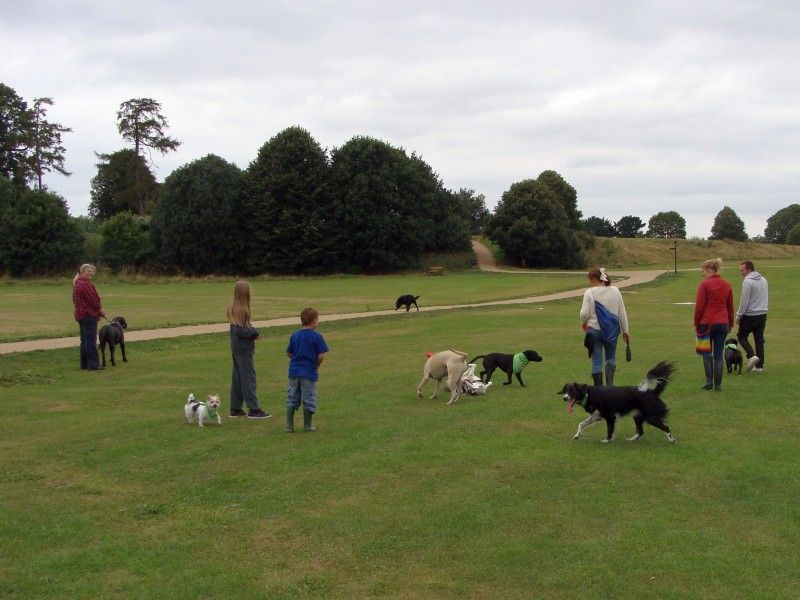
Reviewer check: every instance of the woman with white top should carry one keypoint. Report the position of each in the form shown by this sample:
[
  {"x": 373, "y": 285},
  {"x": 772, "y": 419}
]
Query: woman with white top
[{"x": 603, "y": 317}]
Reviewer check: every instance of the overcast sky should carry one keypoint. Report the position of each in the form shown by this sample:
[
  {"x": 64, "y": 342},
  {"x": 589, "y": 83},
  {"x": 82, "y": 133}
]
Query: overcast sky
[{"x": 642, "y": 106}]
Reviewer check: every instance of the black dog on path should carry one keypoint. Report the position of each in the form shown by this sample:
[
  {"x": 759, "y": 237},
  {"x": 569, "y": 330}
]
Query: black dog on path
[
  {"x": 733, "y": 356},
  {"x": 406, "y": 300},
  {"x": 113, "y": 334},
  {"x": 506, "y": 363},
  {"x": 606, "y": 403}
]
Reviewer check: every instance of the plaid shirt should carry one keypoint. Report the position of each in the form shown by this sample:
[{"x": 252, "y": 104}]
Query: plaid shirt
[{"x": 86, "y": 300}]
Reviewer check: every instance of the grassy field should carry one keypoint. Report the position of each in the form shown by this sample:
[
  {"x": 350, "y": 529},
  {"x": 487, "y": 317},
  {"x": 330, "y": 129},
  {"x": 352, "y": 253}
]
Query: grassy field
[
  {"x": 107, "y": 493},
  {"x": 36, "y": 309}
]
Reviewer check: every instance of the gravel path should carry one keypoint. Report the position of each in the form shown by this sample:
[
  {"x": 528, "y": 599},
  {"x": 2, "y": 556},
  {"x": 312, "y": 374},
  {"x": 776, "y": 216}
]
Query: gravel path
[{"x": 486, "y": 262}]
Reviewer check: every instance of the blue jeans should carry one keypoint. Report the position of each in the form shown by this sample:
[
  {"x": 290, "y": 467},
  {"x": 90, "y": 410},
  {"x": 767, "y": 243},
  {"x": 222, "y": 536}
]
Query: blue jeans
[
  {"x": 600, "y": 346},
  {"x": 302, "y": 390},
  {"x": 90, "y": 359}
]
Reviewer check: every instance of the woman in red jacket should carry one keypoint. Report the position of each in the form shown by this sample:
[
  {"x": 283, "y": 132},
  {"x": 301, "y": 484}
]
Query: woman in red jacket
[
  {"x": 88, "y": 312},
  {"x": 713, "y": 316}
]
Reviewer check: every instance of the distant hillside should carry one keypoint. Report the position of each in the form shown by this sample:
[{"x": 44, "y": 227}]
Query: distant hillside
[
  {"x": 633, "y": 252},
  {"x": 642, "y": 252}
]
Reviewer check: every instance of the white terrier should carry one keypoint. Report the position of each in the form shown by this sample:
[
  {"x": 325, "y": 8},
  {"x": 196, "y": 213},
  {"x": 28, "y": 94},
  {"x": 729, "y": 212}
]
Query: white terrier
[{"x": 205, "y": 411}]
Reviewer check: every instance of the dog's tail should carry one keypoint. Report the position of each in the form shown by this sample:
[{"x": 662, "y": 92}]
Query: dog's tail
[
  {"x": 190, "y": 399},
  {"x": 464, "y": 354},
  {"x": 416, "y": 298},
  {"x": 476, "y": 358},
  {"x": 658, "y": 377}
]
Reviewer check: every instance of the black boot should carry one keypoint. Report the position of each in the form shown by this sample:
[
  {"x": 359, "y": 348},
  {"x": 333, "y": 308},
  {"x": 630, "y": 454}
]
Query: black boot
[
  {"x": 290, "y": 419},
  {"x": 610, "y": 374},
  {"x": 307, "y": 416},
  {"x": 708, "y": 367},
  {"x": 597, "y": 378}
]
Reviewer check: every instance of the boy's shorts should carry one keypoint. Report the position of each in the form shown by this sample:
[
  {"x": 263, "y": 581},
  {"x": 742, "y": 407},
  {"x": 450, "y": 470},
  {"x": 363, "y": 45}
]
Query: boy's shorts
[{"x": 302, "y": 390}]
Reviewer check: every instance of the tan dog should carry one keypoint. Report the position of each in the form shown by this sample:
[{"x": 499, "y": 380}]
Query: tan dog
[{"x": 447, "y": 363}]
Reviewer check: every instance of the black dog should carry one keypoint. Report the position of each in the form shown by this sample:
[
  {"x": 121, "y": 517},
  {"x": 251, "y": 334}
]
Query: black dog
[
  {"x": 113, "y": 334},
  {"x": 607, "y": 403},
  {"x": 406, "y": 300},
  {"x": 733, "y": 356},
  {"x": 504, "y": 362}
]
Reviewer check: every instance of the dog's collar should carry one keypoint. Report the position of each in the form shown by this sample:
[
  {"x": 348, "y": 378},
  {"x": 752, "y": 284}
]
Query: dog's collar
[
  {"x": 731, "y": 346},
  {"x": 117, "y": 324}
]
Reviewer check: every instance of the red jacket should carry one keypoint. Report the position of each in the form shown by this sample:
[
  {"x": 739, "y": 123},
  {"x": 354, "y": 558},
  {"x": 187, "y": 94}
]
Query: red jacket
[
  {"x": 714, "y": 304},
  {"x": 86, "y": 300}
]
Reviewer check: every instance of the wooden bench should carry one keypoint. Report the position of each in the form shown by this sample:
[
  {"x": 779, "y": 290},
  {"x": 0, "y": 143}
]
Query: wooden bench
[{"x": 435, "y": 270}]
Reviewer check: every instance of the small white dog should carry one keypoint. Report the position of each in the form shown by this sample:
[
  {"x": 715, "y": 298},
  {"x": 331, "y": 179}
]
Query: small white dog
[
  {"x": 205, "y": 411},
  {"x": 472, "y": 384}
]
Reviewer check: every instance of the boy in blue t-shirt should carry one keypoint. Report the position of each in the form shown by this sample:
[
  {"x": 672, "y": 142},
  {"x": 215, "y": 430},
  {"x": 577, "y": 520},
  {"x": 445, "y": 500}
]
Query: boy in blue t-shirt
[{"x": 306, "y": 351}]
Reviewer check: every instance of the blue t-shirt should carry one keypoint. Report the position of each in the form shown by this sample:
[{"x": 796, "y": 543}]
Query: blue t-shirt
[{"x": 304, "y": 346}]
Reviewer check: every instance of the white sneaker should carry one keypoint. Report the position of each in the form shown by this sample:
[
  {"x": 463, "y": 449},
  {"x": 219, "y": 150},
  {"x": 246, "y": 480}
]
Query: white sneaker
[
  {"x": 758, "y": 370},
  {"x": 752, "y": 362}
]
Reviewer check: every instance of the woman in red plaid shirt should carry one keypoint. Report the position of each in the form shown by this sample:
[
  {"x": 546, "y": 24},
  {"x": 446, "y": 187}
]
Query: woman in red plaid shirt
[{"x": 88, "y": 312}]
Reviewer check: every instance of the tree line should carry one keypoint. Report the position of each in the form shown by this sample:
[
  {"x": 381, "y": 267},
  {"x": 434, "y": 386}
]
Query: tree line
[{"x": 298, "y": 208}]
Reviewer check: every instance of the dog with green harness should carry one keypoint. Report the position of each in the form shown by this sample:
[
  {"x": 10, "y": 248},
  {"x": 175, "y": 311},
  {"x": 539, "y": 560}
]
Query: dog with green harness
[
  {"x": 733, "y": 356},
  {"x": 511, "y": 364},
  {"x": 204, "y": 411}
]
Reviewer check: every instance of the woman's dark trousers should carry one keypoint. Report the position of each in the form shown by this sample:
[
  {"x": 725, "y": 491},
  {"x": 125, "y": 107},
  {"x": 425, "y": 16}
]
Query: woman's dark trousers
[{"x": 90, "y": 359}]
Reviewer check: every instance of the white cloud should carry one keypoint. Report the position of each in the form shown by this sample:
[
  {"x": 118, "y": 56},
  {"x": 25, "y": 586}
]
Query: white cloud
[{"x": 642, "y": 107}]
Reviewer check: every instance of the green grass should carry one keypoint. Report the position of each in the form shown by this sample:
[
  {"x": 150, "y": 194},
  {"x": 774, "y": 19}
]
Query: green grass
[
  {"x": 36, "y": 309},
  {"x": 106, "y": 492}
]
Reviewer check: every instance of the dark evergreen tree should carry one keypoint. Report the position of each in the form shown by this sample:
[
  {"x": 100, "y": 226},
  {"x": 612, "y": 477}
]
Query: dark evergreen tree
[
  {"x": 37, "y": 234},
  {"x": 46, "y": 152},
  {"x": 198, "y": 226},
  {"x": 14, "y": 128},
  {"x": 123, "y": 183},
  {"x": 728, "y": 226},
  {"x": 139, "y": 120},
  {"x": 390, "y": 207},
  {"x": 447, "y": 215},
  {"x": 288, "y": 206}
]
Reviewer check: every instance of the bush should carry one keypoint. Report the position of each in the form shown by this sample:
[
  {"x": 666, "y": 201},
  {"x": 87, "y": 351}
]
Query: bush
[
  {"x": 36, "y": 232},
  {"x": 125, "y": 241}
]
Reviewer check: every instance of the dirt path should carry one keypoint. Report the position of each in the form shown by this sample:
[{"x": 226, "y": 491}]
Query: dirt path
[{"x": 486, "y": 262}]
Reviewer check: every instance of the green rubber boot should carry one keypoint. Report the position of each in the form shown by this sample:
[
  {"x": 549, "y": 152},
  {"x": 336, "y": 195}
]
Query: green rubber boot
[
  {"x": 290, "y": 419},
  {"x": 307, "y": 416}
]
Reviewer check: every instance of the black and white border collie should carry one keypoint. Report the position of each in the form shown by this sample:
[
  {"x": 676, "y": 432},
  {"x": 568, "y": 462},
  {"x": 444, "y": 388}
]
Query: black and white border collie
[{"x": 607, "y": 403}]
